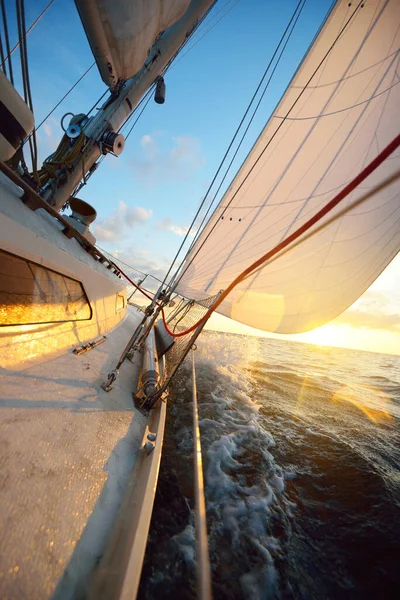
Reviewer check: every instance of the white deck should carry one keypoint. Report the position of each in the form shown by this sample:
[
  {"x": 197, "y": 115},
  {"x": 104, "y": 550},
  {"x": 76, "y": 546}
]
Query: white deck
[{"x": 66, "y": 450}]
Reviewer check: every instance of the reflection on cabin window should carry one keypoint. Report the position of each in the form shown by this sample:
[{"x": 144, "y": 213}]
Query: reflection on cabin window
[
  {"x": 32, "y": 294},
  {"x": 120, "y": 302}
]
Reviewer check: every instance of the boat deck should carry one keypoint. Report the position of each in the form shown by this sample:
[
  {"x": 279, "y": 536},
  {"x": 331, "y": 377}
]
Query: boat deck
[{"x": 67, "y": 448}]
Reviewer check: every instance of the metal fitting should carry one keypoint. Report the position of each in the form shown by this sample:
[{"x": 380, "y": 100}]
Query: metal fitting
[
  {"x": 149, "y": 447},
  {"x": 112, "y": 142},
  {"x": 73, "y": 131}
]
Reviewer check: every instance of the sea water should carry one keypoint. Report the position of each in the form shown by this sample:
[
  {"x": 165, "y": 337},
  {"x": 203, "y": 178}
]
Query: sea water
[{"x": 301, "y": 451}]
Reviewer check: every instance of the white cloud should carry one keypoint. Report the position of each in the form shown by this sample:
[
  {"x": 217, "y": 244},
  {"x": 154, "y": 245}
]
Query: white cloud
[
  {"x": 48, "y": 137},
  {"x": 167, "y": 224},
  {"x": 158, "y": 164},
  {"x": 154, "y": 267},
  {"x": 146, "y": 141},
  {"x": 179, "y": 230},
  {"x": 120, "y": 222},
  {"x": 370, "y": 320},
  {"x": 372, "y": 311}
]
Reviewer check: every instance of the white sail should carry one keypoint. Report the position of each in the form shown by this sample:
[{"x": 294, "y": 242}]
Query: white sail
[
  {"x": 347, "y": 114},
  {"x": 121, "y": 32}
]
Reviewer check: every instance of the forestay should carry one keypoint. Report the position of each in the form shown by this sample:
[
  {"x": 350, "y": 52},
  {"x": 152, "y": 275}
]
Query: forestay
[
  {"x": 325, "y": 130},
  {"x": 121, "y": 32}
]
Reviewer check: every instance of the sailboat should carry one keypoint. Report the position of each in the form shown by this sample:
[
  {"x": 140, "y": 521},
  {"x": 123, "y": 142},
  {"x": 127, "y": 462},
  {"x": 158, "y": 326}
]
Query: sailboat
[{"x": 307, "y": 224}]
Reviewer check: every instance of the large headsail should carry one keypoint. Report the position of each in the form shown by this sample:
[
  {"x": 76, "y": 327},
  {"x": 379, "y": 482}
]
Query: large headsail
[
  {"x": 121, "y": 32},
  {"x": 339, "y": 111}
]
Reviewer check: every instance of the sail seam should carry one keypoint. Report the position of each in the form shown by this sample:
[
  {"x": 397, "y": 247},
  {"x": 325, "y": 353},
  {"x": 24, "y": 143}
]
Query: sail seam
[
  {"x": 247, "y": 129},
  {"x": 294, "y": 237},
  {"x": 274, "y": 134},
  {"x": 311, "y": 196},
  {"x": 229, "y": 147},
  {"x": 341, "y": 109},
  {"x": 324, "y": 63}
]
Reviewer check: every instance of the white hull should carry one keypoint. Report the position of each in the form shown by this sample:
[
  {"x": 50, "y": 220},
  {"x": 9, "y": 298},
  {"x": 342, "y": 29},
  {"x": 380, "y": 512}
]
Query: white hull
[
  {"x": 69, "y": 449},
  {"x": 36, "y": 236}
]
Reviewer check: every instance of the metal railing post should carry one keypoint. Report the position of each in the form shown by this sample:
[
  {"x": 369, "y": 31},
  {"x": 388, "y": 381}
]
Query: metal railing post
[{"x": 138, "y": 284}]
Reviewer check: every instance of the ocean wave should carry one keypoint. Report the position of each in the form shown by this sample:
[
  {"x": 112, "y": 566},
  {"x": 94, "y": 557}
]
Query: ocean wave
[{"x": 299, "y": 481}]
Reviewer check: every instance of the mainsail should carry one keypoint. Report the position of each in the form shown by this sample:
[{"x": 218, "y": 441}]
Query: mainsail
[
  {"x": 339, "y": 111},
  {"x": 122, "y": 32}
]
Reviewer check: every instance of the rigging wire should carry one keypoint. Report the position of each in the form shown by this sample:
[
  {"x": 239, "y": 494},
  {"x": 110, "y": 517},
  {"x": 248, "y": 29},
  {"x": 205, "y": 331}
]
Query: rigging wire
[
  {"x": 233, "y": 140},
  {"x": 20, "y": 9},
  {"x": 247, "y": 128},
  {"x": 189, "y": 37},
  {"x": 99, "y": 100},
  {"x": 271, "y": 138},
  {"x": 8, "y": 57},
  {"x": 143, "y": 99},
  {"x": 297, "y": 236},
  {"x": 306, "y": 227},
  {"x": 2, "y": 55},
  {"x": 7, "y": 40},
  {"x": 166, "y": 68},
  {"x": 67, "y": 94},
  {"x": 147, "y": 96},
  {"x": 208, "y": 30},
  {"x": 140, "y": 114},
  {"x": 219, "y": 187}
]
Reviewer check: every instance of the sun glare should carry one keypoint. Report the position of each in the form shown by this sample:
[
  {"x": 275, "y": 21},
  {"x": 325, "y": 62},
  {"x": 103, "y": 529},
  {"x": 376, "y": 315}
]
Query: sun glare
[
  {"x": 377, "y": 414},
  {"x": 327, "y": 335},
  {"x": 334, "y": 335}
]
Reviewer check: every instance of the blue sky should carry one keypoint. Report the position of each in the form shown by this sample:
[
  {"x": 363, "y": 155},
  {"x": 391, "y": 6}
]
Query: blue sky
[
  {"x": 175, "y": 148},
  {"x": 146, "y": 198}
]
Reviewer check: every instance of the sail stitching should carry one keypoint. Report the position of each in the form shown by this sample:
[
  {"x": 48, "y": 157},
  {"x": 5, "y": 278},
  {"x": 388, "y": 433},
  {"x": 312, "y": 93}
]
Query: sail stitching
[
  {"x": 229, "y": 147},
  {"x": 307, "y": 136},
  {"x": 246, "y": 130},
  {"x": 272, "y": 137},
  {"x": 250, "y": 243},
  {"x": 298, "y": 233}
]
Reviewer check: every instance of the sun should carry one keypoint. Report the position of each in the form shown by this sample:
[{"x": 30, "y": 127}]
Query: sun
[{"x": 327, "y": 335}]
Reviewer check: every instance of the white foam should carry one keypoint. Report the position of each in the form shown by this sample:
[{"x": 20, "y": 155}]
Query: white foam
[
  {"x": 278, "y": 483},
  {"x": 261, "y": 583},
  {"x": 186, "y": 543},
  {"x": 241, "y": 501}
]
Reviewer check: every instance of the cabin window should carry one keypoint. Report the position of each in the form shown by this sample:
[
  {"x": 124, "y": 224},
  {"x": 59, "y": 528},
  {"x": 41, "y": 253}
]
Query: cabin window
[
  {"x": 120, "y": 302},
  {"x": 32, "y": 294}
]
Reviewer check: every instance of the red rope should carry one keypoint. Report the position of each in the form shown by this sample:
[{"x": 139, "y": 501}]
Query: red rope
[
  {"x": 296, "y": 234},
  {"x": 132, "y": 282},
  {"x": 382, "y": 156}
]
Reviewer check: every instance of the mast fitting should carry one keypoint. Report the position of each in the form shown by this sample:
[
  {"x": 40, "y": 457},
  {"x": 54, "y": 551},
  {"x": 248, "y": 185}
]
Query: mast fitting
[
  {"x": 159, "y": 95},
  {"x": 112, "y": 142}
]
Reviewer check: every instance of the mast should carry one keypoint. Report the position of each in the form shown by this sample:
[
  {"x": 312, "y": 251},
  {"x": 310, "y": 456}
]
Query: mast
[{"x": 100, "y": 131}]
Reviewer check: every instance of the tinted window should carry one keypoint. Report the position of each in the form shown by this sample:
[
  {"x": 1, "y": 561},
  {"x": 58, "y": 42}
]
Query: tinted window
[{"x": 30, "y": 293}]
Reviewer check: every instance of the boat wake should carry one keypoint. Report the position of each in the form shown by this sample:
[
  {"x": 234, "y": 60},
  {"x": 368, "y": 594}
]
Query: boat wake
[{"x": 300, "y": 484}]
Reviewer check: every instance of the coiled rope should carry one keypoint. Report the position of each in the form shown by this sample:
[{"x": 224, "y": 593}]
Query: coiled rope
[{"x": 64, "y": 156}]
